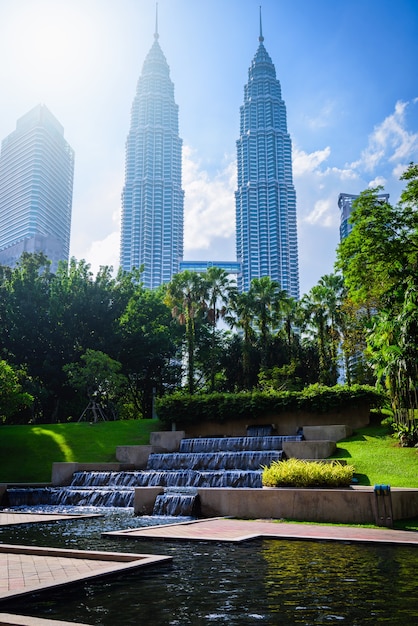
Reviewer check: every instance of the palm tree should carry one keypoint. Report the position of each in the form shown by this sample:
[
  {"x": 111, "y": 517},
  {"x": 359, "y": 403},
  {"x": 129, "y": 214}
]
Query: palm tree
[
  {"x": 240, "y": 316},
  {"x": 186, "y": 298},
  {"x": 218, "y": 290},
  {"x": 265, "y": 296},
  {"x": 321, "y": 309}
]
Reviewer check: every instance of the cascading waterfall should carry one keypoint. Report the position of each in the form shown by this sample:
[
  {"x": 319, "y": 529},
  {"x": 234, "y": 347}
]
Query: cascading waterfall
[
  {"x": 177, "y": 501},
  {"x": 204, "y": 462}
]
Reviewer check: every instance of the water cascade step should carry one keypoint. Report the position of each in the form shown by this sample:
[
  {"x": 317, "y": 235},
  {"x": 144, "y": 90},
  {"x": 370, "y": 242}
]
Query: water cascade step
[
  {"x": 203, "y": 462},
  {"x": 175, "y": 502}
]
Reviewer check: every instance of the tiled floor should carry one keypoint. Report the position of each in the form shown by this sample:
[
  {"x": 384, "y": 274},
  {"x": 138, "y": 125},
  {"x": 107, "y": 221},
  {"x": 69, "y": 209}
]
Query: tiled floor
[
  {"x": 7, "y": 619},
  {"x": 8, "y": 518},
  {"x": 25, "y": 569}
]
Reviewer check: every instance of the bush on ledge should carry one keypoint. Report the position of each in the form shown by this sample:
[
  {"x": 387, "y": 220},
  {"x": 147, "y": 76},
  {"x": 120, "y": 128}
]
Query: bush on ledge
[
  {"x": 219, "y": 407},
  {"x": 307, "y": 474}
]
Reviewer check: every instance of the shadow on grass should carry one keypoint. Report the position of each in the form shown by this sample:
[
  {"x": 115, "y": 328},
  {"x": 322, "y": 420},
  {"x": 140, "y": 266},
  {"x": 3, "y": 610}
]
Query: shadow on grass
[
  {"x": 361, "y": 479},
  {"x": 341, "y": 453}
]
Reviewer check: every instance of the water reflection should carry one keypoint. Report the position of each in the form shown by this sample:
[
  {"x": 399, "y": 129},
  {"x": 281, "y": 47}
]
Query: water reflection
[{"x": 258, "y": 582}]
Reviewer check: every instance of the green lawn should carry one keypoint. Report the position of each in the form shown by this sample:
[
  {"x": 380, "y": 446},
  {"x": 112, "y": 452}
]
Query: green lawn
[
  {"x": 27, "y": 452},
  {"x": 378, "y": 458}
]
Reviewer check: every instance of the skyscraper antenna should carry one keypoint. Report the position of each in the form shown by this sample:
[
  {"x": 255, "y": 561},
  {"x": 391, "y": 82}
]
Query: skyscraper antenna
[
  {"x": 156, "y": 22},
  {"x": 261, "y": 38}
]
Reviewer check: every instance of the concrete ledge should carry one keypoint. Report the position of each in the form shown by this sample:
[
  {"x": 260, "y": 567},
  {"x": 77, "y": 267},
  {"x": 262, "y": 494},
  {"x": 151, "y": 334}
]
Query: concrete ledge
[
  {"x": 168, "y": 440},
  {"x": 137, "y": 456},
  {"x": 62, "y": 473},
  {"x": 308, "y": 449},
  {"x": 333, "y": 432},
  {"x": 144, "y": 499},
  {"x": 356, "y": 505}
]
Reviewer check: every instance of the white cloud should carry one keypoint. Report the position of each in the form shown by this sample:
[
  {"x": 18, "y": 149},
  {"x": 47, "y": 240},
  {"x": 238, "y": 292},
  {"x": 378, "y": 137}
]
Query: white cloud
[
  {"x": 304, "y": 162},
  {"x": 390, "y": 140},
  {"x": 379, "y": 181},
  {"x": 322, "y": 213},
  {"x": 209, "y": 203},
  {"x": 104, "y": 252}
]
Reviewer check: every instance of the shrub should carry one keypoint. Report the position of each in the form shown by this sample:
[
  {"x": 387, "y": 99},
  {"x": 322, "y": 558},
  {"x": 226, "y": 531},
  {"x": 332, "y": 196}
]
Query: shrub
[
  {"x": 218, "y": 407},
  {"x": 308, "y": 474}
]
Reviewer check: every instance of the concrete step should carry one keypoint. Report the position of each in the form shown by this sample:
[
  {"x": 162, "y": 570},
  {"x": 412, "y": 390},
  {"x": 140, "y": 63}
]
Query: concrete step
[
  {"x": 331, "y": 432},
  {"x": 317, "y": 449}
]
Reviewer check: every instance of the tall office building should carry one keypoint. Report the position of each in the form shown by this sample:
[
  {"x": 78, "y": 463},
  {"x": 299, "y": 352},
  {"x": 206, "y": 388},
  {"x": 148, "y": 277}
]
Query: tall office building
[
  {"x": 36, "y": 188},
  {"x": 345, "y": 203},
  {"x": 152, "y": 198},
  {"x": 265, "y": 199}
]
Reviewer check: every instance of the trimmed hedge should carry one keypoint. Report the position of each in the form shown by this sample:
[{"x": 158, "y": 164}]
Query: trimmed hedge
[
  {"x": 220, "y": 407},
  {"x": 307, "y": 474}
]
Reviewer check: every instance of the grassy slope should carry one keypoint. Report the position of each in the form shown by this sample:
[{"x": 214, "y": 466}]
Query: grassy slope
[
  {"x": 27, "y": 452},
  {"x": 378, "y": 459}
]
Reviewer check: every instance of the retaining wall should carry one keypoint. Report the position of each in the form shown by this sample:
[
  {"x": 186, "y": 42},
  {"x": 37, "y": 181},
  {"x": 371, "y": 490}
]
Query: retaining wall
[
  {"x": 355, "y": 505},
  {"x": 353, "y": 416}
]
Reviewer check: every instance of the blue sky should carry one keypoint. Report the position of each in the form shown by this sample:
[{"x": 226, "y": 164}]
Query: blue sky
[{"x": 348, "y": 71}]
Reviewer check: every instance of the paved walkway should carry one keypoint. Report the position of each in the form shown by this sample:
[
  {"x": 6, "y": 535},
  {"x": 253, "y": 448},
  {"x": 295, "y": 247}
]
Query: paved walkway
[
  {"x": 25, "y": 569},
  {"x": 225, "y": 529},
  {"x": 8, "y": 518},
  {"x": 7, "y": 619}
]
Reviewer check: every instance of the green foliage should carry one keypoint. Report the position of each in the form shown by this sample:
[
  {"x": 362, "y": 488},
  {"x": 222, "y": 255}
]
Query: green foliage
[
  {"x": 218, "y": 407},
  {"x": 379, "y": 260},
  {"x": 322, "y": 318},
  {"x": 99, "y": 377},
  {"x": 406, "y": 434},
  {"x": 12, "y": 398},
  {"x": 307, "y": 474}
]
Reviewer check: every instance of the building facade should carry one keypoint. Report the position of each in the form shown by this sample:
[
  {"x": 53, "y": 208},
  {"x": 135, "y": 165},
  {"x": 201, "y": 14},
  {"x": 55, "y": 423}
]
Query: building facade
[
  {"x": 36, "y": 188},
  {"x": 152, "y": 197},
  {"x": 265, "y": 200},
  {"x": 345, "y": 204}
]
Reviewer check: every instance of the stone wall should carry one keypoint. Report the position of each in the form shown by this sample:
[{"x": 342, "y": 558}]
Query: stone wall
[
  {"x": 286, "y": 423},
  {"x": 355, "y": 505}
]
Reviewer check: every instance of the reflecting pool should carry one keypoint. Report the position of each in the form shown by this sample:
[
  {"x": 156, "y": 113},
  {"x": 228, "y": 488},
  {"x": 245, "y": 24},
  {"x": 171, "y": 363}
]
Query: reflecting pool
[{"x": 256, "y": 582}]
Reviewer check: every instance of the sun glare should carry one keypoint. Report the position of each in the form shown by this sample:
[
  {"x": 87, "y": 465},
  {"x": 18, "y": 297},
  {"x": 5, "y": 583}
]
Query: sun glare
[{"x": 50, "y": 43}]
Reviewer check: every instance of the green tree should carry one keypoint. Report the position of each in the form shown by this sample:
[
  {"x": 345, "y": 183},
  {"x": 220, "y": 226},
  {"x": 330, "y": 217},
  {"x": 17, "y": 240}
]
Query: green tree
[
  {"x": 265, "y": 298},
  {"x": 12, "y": 398},
  {"x": 149, "y": 346},
  {"x": 322, "y": 317},
  {"x": 218, "y": 292},
  {"x": 240, "y": 316},
  {"x": 186, "y": 298},
  {"x": 379, "y": 261},
  {"x": 100, "y": 379}
]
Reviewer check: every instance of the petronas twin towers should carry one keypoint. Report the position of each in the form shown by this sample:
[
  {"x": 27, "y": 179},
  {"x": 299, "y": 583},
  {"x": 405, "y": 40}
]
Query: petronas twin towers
[{"x": 265, "y": 199}]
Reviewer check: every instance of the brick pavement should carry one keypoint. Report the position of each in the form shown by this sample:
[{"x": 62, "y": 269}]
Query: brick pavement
[
  {"x": 8, "y": 619},
  {"x": 25, "y": 569},
  {"x": 8, "y": 518}
]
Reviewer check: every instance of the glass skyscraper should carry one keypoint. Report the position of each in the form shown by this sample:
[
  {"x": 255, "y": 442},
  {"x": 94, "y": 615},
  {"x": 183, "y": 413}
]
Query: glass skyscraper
[
  {"x": 345, "y": 203},
  {"x": 36, "y": 188},
  {"x": 152, "y": 197},
  {"x": 265, "y": 200}
]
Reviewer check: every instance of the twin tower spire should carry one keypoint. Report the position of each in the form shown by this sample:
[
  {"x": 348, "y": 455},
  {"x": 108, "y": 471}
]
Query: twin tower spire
[{"x": 265, "y": 198}]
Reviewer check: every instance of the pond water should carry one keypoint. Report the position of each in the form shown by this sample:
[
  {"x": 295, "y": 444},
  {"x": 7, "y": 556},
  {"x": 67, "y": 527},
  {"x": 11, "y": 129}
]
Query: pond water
[{"x": 271, "y": 582}]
